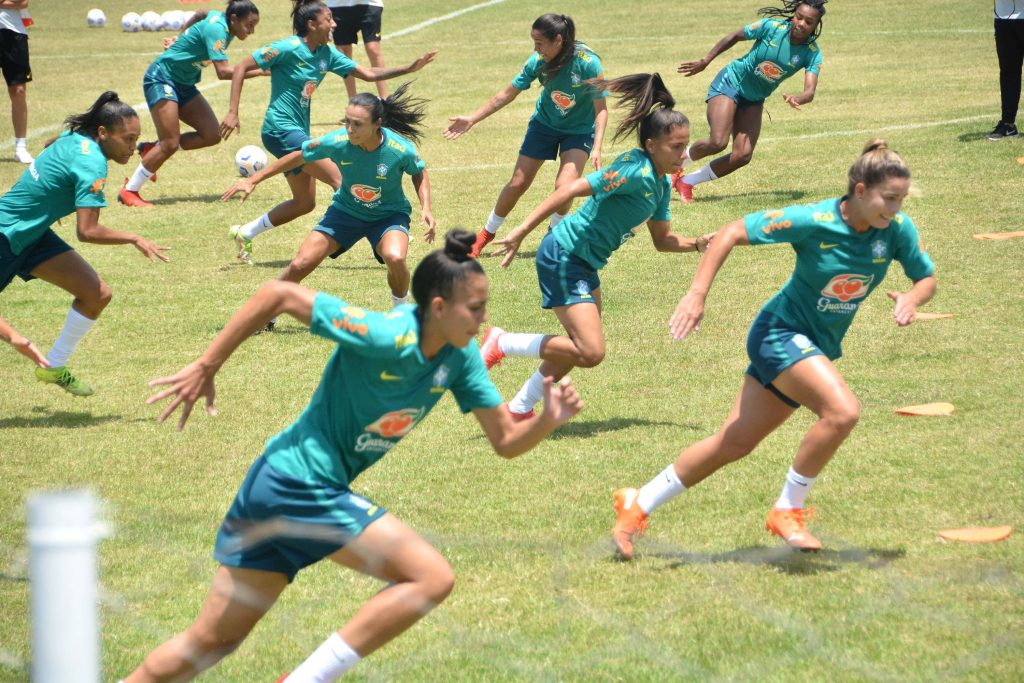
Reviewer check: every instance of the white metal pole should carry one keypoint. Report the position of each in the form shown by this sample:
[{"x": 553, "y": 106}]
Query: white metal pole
[{"x": 62, "y": 535}]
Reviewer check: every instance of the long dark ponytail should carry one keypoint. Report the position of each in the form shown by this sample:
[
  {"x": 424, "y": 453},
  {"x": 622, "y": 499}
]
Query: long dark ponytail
[
  {"x": 399, "y": 111},
  {"x": 650, "y": 105},
  {"x": 107, "y": 111},
  {"x": 551, "y": 26},
  {"x": 789, "y": 8},
  {"x": 304, "y": 12},
  {"x": 439, "y": 270}
]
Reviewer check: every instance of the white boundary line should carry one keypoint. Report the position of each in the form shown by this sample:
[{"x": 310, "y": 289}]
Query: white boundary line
[{"x": 46, "y": 130}]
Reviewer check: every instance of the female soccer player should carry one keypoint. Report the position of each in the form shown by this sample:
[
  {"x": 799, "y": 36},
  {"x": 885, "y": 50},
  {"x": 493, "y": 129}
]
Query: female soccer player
[
  {"x": 843, "y": 250},
  {"x": 297, "y": 66},
  {"x": 736, "y": 96},
  {"x": 374, "y": 153},
  {"x": 68, "y": 177},
  {"x": 568, "y": 122},
  {"x": 633, "y": 190},
  {"x": 172, "y": 96},
  {"x": 374, "y": 391}
]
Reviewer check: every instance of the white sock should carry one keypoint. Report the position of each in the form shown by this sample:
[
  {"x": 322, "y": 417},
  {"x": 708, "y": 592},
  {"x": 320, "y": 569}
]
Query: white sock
[
  {"x": 253, "y": 228},
  {"x": 138, "y": 179},
  {"x": 556, "y": 218},
  {"x": 660, "y": 490},
  {"x": 702, "y": 176},
  {"x": 794, "y": 491},
  {"x": 399, "y": 300},
  {"x": 20, "y": 143},
  {"x": 329, "y": 661},
  {"x": 520, "y": 344},
  {"x": 530, "y": 393},
  {"x": 75, "y": 327},
  {"x": 494, "y": 223}
]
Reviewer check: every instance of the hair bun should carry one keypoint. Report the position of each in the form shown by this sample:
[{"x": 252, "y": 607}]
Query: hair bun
[
  {"x": 458, "y": 243},
  {"x": 875, "y": 144}
]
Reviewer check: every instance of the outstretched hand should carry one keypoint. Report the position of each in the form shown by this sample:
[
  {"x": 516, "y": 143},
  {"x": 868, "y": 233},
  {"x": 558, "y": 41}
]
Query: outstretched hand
[
  {"x": 243, "y": 187},
  {"x": 428, "y": 220},
  {"x": 26, "y": 348},
  {"x": 509, "y": 246},
  {"x": 424, "y": 59},
  {"x": 150, "y": 250},
  {"x": 191, "y": 382},
  {"x": 688, "y": 314},
  {"x": 230, "y": 124},
  {"x": 561, "y": 400},
  {"x": 692, "y": 68},
  {"x": 458, "y": 126},
  {"x": 792, "y": 101},
  {"x": 905, "y": 310}
]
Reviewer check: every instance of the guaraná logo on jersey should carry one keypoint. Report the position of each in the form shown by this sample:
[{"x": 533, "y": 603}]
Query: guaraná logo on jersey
[
  {"x": 365, "y": 193},
  {"x": 307, "y": 92},
  {"x": 845, "y": 289},
  {"x": 769, "y": 71},
  {"x": 397, "y": 423},
  {"x": 563, "y": 101}
]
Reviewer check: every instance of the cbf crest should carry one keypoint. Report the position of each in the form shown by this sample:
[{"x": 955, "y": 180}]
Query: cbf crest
[
  {"x": 880, "y": 251},
  {"x": 440, "y": 379},
  {"x": 382, "y": 170}
]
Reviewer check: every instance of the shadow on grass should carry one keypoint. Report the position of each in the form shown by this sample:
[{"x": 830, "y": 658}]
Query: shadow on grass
[
  {"x": 587, "y": 429},
  {"x": 788, "y": 560},
  {"x": 973, "y": 136},
  {"x": 44, "y": 417},
  {"x": 203, "y": 198},
  {"x": 781, "y": 195}
]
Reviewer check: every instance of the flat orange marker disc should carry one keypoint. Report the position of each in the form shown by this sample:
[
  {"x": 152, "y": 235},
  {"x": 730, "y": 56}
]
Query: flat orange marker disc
[
  {"x": 927, "y": 409},
  {"x": 977, "y": 534},
  {"x": 999, "y": 235},
  {"x": 933, "y": 316},
  {"x": 1020, "y": 160}
]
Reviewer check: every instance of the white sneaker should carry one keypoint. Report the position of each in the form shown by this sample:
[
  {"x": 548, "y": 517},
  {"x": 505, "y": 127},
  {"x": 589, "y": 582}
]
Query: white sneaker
[{"x": 21, "y": 154}]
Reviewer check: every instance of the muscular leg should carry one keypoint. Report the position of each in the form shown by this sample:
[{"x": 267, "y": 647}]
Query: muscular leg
[
  {"x": 393, "y": 248},
  {"x": 522, "y": 177},
  {"x": 350, "y": 81},
  {"x": 571, "y": 164},
  {"x": 73, "y": 274},
  {"x": 720, "y": 113},
  {"x": 303, "y": 187},
  {"x": 376, "y": 60},
  {"x": 19, "y": 109},
  {"x": 746, "y": 130},
  {"x": 314, "y": 249}
]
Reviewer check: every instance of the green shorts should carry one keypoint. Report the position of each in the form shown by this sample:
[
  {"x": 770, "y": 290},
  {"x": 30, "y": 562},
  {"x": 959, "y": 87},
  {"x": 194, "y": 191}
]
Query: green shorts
[
  {"x": 22, "y": 265},
  {"x": 564, "y": 279},
  {"x": 158, "y": 85},
  {"x": 773, "y": 345}
]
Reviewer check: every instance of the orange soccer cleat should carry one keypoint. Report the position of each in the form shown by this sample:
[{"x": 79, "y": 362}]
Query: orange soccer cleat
[
  {"x": 630, "y": 522},
  {"x": 483, "y": 238},
  {"x": 489, "y": 349},
  {"x": 791, "y": 526},
  {"x": 129, "y": 198},
  {"x": 684, "y": 188}
]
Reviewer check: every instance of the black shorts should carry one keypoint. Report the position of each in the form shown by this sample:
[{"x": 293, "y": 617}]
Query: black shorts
[
  {"x": 351, "y": 20},
  {"x": 14, "y": 57}
]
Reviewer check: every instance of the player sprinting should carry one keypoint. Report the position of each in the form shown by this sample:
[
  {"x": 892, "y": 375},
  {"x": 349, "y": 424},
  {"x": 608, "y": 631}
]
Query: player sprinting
[
  {"x": 632, "y": 191},
  {"x": 843, "y": 250},
  {"x": 297, "y": 66},
  {"x": 386, "y": 374},
  {"x": 172, "y": 96},
  {"x": 69, "y": 177},
  {"x": 374, "y": 150},
  {"x": 568, "y": 122},
  {"x": 784, "y": 42}
]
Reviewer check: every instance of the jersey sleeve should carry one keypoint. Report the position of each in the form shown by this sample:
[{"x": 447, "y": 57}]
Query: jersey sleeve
[
  {"x": 353, "y": 328},
  {"x": 215, "y": 37},
  {"x": 621, "y": 177},
  {"x": 910, "y": 250},
  {"x": 661, "y": 211},
  {"x": 473, "y": 387},
  {"x": 412, "y": 162},
  {"x": 593, "y": 69},
  {"x": 325, "y": 146},
  {"x": 528, "y": 73},
  {"x": 757, "y": 30},
  {"x": 340, "y": 64},
  {"x": 271, "y": 54},
  {"x": 89, "y": 172},
  {"x": 790, "y": 225},
  {"x": 814, "y": 66}
]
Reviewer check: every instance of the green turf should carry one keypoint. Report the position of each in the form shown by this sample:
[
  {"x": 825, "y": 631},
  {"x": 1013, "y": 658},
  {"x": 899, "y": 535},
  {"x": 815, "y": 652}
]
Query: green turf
[{"x": 538, "y": 597}]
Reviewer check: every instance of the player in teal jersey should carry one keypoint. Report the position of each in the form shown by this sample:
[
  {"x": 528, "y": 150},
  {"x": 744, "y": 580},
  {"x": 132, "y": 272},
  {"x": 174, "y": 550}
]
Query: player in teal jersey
[
  {"x": 69, "y": 177},
  {"x": 297, "y": 66},
  {"x": 568, "y": 122},
  {"x": 172, "y": 96},
  {"x": 632, "y": 191},
  {"x": 843, "y": 250},
  {"x": 296, "y": 505},
  {"x": 736, "y": 97},
  {"x": 374, "y": 153}
]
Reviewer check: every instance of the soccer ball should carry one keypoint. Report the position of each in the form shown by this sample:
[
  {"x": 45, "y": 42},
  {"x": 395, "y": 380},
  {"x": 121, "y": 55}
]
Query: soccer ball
[
  {"x": 171, "y": 20},
  {"x": 151, "y": 21},
  {"x": 249, "y": 160},
  {"x": 96, "y": 18},
  {"x": 131, "y": 22}
]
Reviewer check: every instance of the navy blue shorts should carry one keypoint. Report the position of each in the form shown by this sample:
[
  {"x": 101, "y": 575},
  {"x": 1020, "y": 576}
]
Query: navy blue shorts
[
  {"x": 283, "y": 142},
  {"x": 22, "y": 265},
  {"x": 564, "y": 279},
  {"x": 346, "y": 230},
  {"x": 280, "y": 524},
  {"x": 158, "y": 85},
  {"x": 723, "y": 85},
  {"x": 773, "y": 346},
  {"x": 542, "y": 142}
]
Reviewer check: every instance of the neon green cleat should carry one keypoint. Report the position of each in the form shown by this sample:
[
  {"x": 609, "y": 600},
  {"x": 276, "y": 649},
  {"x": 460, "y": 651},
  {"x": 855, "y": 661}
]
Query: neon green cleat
[
  {"x": 63, "y": 378},
  {"x": 243, "y": 242}
]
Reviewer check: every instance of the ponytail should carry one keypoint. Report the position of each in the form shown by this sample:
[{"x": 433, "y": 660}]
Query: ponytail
[
  {"x": 438, "y": 272},
  {"x": 304, "y": 12},
  {"x": 650, "y": 104},
  {"x": 551, "y": 26},
  {"x": 877, "y": 163},
  {"x": 240, "y": 9},
  {"x": 399, "y": 111},
  {"x": 107, "y": 111}
]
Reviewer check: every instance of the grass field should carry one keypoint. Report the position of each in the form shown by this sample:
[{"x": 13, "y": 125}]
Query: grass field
[{"x": 539, "y": 597}]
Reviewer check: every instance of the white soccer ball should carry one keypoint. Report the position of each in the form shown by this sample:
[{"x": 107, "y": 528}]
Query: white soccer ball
[
  {"x": 151, "y": 21},
  {"x": 131, "y": 22},
  {"x": 171, "y": 20},
  {"x": 249, "y": 160},
  {"x": 96, "y": 18}
]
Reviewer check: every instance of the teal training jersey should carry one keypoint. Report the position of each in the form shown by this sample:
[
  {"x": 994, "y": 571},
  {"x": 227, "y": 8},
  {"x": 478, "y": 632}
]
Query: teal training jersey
[
  {"x": 376, "y": 387},
  {"x": 836, "y": 267},
  {"x": 627, "y": 194},
  {"x": 295, "y": 73},
  {"x": 566, "y": 102},
  {"x": 371, "y": 182},
  {"x": 71, "y": 173},
  {"x": 205, "y": 41},
  {"x": 771, "y": 60}
]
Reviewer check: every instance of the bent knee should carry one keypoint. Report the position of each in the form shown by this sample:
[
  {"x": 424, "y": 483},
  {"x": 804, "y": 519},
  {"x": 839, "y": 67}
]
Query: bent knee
[
  {"x": 590, "y": 358},
  {"x": 170, "y": 145},
  {"x": 740, "y": 159},
  {"x": 716, "y": 145},
  {"x": 440, "y": 584},
  {"x": 844, "y": 418}
]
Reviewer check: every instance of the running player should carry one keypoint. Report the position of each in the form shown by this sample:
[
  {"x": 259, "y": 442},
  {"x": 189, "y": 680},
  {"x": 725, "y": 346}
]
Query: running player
[
  {"x": 69, "y": 177},
  {"x": 737, "y": 94},
  {"x": 632, "y": 191},
  {"x": 374, "y": 150},
  {"x": 172, "y": 96},
  {"x": 568, "y": 122},
  {"x": 843, "y": 250},
  {"x": 297, "y": 66},
  {"x": 387, "y": 373}
]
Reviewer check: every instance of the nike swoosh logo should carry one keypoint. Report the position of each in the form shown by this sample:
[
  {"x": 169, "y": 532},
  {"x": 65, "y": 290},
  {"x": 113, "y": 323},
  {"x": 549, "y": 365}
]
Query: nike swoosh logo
[
  {"x": 388, "y": 378},
  {"x": 345, "y": 163},
  {"x": 828, "y": 246},
  {"x": 648, "y": 194}
]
